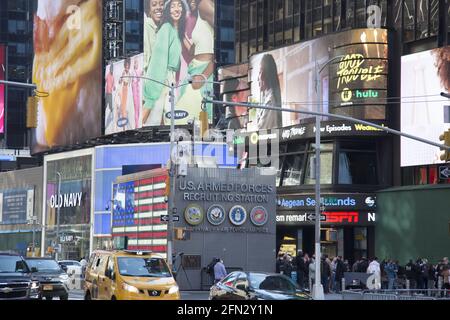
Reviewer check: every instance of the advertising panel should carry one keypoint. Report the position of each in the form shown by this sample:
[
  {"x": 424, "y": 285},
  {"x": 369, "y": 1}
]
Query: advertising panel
[
  {"x": 123, "y": 96},
  {"x": 178, "y": 47},
  {"x": 16, "y": 206},
  {"x": 67, "y": 70},
  {"x": 235, "y": 88},
  {"x": 354, "y": 85},
  {"x": 2, "y": 88},
  {"x": 137, "y": 213},
  {"x": 423, "y": 112}
]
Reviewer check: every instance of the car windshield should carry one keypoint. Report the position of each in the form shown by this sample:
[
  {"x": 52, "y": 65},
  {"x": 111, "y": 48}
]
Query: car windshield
[
  {"x": 271, "y": 282},
  {"x": 143, "y": 267},
  {"x": 43, "y": 265},
  {"x": 12, "y": 264}
]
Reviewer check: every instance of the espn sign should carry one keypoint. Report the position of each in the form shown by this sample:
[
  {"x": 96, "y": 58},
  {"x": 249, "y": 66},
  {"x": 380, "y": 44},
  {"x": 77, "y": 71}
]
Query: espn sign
[{"x": 341, "y": 217}]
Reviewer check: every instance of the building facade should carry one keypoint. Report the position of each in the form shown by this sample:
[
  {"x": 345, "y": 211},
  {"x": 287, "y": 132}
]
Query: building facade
[{"x": 356, "y": 161}]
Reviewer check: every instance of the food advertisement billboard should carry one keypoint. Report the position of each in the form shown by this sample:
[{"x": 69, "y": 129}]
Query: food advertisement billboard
[
  {"x": 179, "y": 50},
  {"x": 355, "y": 84},
  {"x": 67, "y": 70},
  {"x": 424, "y": 112}
]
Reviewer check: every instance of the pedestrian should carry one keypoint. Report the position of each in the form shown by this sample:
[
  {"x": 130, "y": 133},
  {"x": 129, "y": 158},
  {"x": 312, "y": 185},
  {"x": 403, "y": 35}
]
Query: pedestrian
[
  {"x": 355, "y": 266},
  {"x": 219, "y": 270},
  {"x": 418, "y": 273},
  {"x": 333, "y": 274},
  {"x": 409, "y": 271},
  {"x": 312, "y": 272},
  {"x": 83, "y": 263},
  {"x": 325, "y": 274},
  {"x": 374, "y": 268},
  {"x": 340, "y": 269},
  {"x": 307, "y": 261},
  {"x": 286, "y": 265},
  {"x": 446, "y": 283},
  {"x": 391, "y": 271},
  {"x": 363, "y": 265},
  {"x": 300, "y": 263},
  {"x": 278, "y": 263}
]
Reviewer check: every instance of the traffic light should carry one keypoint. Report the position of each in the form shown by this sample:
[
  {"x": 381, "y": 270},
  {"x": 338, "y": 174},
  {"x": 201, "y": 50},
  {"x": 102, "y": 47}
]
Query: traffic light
[
  {"x": 445, "y": 138},
  {"x": 204, "y": 124},
  {"x": 32, "y": 112}
]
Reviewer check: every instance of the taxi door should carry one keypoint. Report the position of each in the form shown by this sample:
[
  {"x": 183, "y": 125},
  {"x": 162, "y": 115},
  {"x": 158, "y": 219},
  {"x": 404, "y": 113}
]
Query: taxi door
[
  {"x": 102, "y": 280},
  {"x": 108, "y": 281}
]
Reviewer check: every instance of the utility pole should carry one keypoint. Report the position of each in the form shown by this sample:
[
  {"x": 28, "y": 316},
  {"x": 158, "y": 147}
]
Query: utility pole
[{"x": 57, "y": 216}]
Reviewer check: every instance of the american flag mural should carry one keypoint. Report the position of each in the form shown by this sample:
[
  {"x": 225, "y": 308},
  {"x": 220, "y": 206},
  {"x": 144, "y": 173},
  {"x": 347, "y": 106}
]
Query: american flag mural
[{"x": 137, "y": 211}]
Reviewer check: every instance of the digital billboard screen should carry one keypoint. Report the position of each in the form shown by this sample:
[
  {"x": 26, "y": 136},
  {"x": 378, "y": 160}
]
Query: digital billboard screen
[
  {"x": 423, "y": 112},
  {"x": 178, "y": 47},
  {"x": 123, "y": 95},
  {"x": 2, "y": 88},
  {"x": 67, "y": 70},
  {"x": 354, "y": 84},
  {"x": 235, "y": 88}
]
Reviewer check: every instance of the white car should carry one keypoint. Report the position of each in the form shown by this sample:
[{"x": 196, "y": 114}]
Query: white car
[{"x": 75, "y": 271}]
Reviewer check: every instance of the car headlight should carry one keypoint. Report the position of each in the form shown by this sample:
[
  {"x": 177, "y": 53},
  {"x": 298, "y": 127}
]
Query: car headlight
[
  {"x": 64, "y": 277},
  {"x": 173, "y": 290},
  {"x": 34, "y": 285},
  {"x": 130, "y": 288}
]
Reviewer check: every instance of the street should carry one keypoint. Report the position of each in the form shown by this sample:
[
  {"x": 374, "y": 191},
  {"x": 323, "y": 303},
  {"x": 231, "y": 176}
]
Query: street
[{"x": 186, "y": 295}]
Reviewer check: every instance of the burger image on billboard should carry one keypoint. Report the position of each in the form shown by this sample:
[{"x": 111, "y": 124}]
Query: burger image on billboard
[{"x": 67, "y": 71}]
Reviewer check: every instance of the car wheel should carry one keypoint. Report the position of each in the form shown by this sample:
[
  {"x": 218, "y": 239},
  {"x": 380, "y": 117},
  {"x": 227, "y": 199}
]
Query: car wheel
[
  {"x": 48, "y": 298},
  {"x": 87, "y": 296},
  {"x": 64, "y": 297},
  {"x": 113, "y": 298}
]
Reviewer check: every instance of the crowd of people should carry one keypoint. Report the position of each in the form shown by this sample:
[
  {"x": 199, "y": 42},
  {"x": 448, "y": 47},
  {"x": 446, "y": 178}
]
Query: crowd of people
[{"x": 420, "y": 273}]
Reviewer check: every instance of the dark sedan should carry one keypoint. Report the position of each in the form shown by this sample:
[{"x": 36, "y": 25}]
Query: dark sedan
[
  {"x": 241, "y": 285},
  {"x": 52, "y": 278}
]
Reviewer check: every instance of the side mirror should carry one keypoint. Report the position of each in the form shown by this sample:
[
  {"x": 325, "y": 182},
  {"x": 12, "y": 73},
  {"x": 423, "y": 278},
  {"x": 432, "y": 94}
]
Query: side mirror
[
  {"x": 64, "y": 267},
  {"x": 34, "y": 269}
]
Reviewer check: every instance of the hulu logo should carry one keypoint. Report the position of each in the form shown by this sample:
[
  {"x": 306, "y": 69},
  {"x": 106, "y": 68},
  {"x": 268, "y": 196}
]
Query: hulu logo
[{"x": 361, "y": 94}]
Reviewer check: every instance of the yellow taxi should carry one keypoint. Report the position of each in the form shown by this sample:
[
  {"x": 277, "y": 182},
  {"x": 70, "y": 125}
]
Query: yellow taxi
[{"x": 129, "y": 275}]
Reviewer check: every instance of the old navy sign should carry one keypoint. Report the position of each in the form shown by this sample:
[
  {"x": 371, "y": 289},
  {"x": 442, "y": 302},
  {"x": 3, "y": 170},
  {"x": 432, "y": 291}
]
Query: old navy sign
[{"x": 68, "y": 200}]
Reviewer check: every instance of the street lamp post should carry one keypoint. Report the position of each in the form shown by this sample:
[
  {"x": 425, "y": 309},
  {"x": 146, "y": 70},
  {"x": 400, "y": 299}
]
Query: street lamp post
[
  {"x": 318, "y": 293},
  {"x": 57, "y": 216}
]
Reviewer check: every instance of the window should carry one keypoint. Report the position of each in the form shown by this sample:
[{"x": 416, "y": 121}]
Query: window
[
  {"x": 229, "y": 281},
  {"x": 326, "y": 165},
  {"x": 293, "y": 169},
  {"x": 358, "y": 163}
]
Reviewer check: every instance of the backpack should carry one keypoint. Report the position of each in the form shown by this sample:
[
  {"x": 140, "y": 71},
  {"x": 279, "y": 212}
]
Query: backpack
[{"x": 210, "y": 267}]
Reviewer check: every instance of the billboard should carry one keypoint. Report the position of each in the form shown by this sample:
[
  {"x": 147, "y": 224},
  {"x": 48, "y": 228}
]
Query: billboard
[
  {"x": 423, "y": 112},
  {"x": 178, "y": 47},
  {"x": 2, "y": 88},
  {"x": 16, "y": 206},
  {"x": 235, "y": 88},
  {"x": 353, "y": 85},
  {"x": 67, "y": 70},
  {"x": 123, "y": 96}
]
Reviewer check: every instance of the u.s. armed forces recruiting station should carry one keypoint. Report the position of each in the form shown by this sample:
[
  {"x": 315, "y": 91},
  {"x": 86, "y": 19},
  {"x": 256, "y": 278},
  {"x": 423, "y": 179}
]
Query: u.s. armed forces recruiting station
[{"x": 225, "y": 192}]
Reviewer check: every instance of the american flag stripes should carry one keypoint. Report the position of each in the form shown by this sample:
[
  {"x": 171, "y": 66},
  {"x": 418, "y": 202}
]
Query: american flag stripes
[{"x": 138, "y": 206}]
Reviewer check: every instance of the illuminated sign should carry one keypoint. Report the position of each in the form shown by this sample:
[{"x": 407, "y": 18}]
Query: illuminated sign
[
  {"x": 356, "y": 218},
  {"x": 341, "y": 217},
  {"x": 352, "y": 68},
  {"x": 347, "y": 202}
]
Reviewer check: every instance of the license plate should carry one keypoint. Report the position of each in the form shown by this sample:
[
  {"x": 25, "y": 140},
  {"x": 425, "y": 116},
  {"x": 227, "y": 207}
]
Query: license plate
[{"x": 47, "y": 287}]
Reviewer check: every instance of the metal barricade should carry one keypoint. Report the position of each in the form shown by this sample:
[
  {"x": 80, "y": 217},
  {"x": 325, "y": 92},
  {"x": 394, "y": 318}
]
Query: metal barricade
[
  {"x": 352, "y": 295},
  {"x": 379, "y": 296}
]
